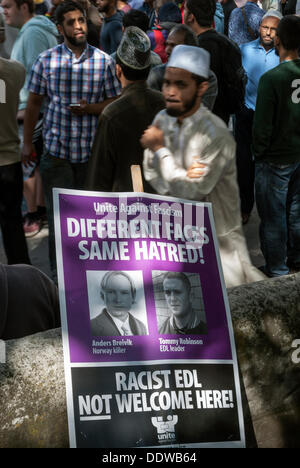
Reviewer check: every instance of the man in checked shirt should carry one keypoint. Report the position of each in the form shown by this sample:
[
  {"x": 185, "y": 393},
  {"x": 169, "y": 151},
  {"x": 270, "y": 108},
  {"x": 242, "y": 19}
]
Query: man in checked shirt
[{"x": 78, "y": 81}]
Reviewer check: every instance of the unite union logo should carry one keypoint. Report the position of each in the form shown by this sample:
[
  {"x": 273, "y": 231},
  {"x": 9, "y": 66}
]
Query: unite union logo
[{"x": 165, "y": 429}]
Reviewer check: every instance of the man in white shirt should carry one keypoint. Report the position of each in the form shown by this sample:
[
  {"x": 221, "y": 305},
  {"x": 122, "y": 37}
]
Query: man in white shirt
[{"x": 118, "y": 292}]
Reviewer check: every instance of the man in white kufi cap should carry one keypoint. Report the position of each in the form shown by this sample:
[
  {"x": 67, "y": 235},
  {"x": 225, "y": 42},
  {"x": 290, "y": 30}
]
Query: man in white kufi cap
[{"x": 191, "y": 154}]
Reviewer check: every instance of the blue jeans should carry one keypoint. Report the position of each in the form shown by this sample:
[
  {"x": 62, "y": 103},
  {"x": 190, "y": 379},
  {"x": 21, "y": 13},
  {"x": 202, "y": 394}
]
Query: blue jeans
[
  {"x": 59, "y": 173},
  {"x": 277, "y": 190}
]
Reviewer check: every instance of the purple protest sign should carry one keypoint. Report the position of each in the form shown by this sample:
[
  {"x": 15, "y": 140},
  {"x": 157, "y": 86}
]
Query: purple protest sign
[{"x": 141, "y": 283}]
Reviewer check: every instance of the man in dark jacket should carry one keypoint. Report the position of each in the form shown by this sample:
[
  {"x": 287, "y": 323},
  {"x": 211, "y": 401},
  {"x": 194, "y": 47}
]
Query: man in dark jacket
[{"x": 116, "y": 145}]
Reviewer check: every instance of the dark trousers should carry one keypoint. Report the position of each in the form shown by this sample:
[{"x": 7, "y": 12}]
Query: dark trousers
[
  {"x": 244, "y": 158},
  {"x": 11, "y": 222},
  {"x": 59, "y": 173}
]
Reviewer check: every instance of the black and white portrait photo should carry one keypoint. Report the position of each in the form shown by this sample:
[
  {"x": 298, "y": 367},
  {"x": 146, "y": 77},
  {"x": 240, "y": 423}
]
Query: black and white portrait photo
[
  {"x": 179, "y": 303},
  {"x": 117, "y": 303}
]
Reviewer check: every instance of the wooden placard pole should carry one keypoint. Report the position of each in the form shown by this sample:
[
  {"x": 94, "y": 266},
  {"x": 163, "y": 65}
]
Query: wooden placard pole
[{"x": 137, "y": 181}]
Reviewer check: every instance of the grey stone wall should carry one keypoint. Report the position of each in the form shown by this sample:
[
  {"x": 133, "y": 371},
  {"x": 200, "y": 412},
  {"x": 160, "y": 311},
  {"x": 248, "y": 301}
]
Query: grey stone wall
[{"x": 266, "y": 321}]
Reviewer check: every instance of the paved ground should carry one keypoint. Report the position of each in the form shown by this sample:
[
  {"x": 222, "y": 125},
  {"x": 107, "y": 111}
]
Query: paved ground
[{"x": 38, "y": 246}]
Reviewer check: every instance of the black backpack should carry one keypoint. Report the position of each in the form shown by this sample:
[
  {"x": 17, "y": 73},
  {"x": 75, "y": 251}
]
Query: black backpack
[{"x": 233, "y": 84}]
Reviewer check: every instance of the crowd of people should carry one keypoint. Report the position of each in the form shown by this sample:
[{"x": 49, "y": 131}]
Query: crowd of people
[{"x": 203, "y": 95}]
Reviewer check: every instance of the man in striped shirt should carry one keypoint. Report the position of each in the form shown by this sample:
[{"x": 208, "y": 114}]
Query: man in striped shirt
[{"x": 78, "y": 81}]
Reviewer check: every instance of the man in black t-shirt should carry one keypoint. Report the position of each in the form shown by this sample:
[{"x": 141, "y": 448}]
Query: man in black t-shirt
[{"x": 199, "y": 15}]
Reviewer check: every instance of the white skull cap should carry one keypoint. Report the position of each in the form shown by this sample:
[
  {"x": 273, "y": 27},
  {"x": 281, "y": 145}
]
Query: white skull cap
[{"x": 191, "y": 58}]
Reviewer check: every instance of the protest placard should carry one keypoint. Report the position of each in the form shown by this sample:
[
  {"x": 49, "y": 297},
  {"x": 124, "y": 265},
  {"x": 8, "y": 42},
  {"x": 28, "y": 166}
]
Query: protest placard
[{"x": 148, "y": 342}]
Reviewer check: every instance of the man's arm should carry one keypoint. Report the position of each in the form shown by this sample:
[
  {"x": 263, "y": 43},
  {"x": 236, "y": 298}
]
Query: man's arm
[{"x": 31, "y": 117}]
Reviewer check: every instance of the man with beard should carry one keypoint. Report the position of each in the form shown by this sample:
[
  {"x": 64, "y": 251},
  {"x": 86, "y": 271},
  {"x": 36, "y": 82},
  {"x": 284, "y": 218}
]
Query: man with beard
[
  {"x": 78, "y": 81},
  {"x": 258, "y": 57},
  {"x": 191, "y": 154},
  {"x": 36, "y": 33},
  {"x": 276, "y": 142}
]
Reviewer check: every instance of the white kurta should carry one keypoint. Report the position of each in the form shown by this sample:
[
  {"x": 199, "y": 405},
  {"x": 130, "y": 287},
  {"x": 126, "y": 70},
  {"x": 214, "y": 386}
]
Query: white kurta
[{"x": 206, "y": 137}]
